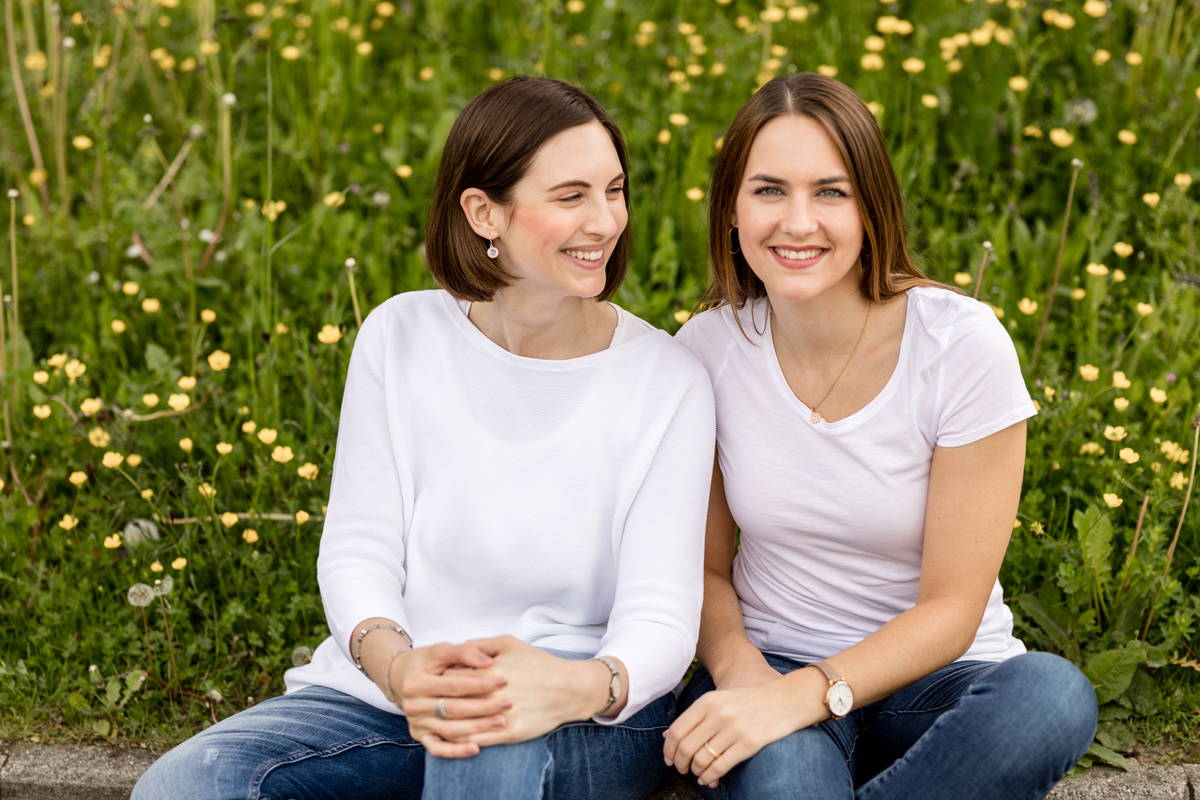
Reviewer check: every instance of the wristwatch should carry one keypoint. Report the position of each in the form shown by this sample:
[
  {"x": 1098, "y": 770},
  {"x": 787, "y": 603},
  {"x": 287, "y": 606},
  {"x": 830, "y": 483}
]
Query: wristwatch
[{"x": 839, "y": 697}]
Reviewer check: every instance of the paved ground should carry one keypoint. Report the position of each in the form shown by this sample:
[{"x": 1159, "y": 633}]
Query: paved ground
[{"x": 75, "y": 772}]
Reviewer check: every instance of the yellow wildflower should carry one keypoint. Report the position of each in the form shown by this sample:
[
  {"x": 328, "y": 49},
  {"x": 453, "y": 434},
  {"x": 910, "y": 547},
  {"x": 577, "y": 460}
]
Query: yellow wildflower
[
  {"x": 1091, "y": 449},
  {"x": 209, "y": 48},
  {"x": 41, "y": 411},
  {"x": 1101, "y": 57},
  {"x": 963, "y": 278},
  {"x": 229, "y": 519},
  {"x": 151, "y": 305},
  {"x": 41, "y": 376},
  {"x": 772, "y": 14},
  {"x": 112, "y": 459},
  {"x": 1126, "y": 136},
  {"x": 290, "y": 53},
  {"x": 218, "y": 360},
  {"x": 302, "y": 517},
  {"x": 133, "y": 459},
  {"x": 1120, "y": 381},
  {"x": 208, "y": 315},
  {"x": 98, "y": 437},
  {"x": 930, "y": 100},
  {"x": 872, "y": 62},
  {"x": 147, "y": 494},
  {"x": 78, "y": 478},
  {"x": 68, "y": 522},
  {"x": 308, "y": 471},
  {"x": 1032, "y": 131},
  {"x": 179, "y": 563},
  {"x": 266, "y": 435},
  {"x": 828, "y": 70},
  {"x": 186, "y": 444},
  {"x": 1027, "y": 306},
  {"x": 1151, "y": 199},
  {"x": 179, "y": 402},
  {"x": 426, "y": 73},
  {"x": 82, "y": 142},
  {"x": 150, "y": 399},
  {"x": 1095, "y": 8},
  {"x": 874, "y": 44},
  {"x": 118, "y": 326},
  {"x": 1177, "y": 481},
  {"x": 250, "y": 535},
  {"x": 1129, "y": 455},
  {"x": 112, "y": 542},
  {"x": 282, "y": 454},
  {"x": 74, "y": 369},
  {"x": 1183, "y": 180},
  {"x": 207, "y": 490},
  {"x": 1111, "y": 500},
  {"x": 329, "y": 334},
  {"x": 1078, "y": 293},
  {"x": 682, "y": 315},
  {"x": 1133, "y": 58},
  {"x": 695, "y": 194},
  {"x": 156, "y": 566},
  {"x": 224, "y": 448},
  {"x": 187, "y": 382},
  {"x": 1158, "y": 395},
  {"x": 1144, "y": 309},
  {"x": 404, "y": 171},
  {"x": 1096, "y": 269},
  {"x": 912, "y": 65},
  {"x": 334, "y": 199},
  {"x": 1089, "y": 372},
  {"x": 797, "y": 13},
  {"x": 1122, "y": 249},
  {"x": 90, "y": 406},
  {"x": 249, "y": 426},
  {"x": 1120, "y": 403},
  {"x": 1114, "y": 433},
  {"x": 1061, "y": 137}
]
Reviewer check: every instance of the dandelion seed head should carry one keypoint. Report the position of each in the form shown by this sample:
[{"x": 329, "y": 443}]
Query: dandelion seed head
[
  {"x": 301, "y": 656},
  {"x": 140, "y": 595},
  {"x": 164, "y": 585},
  {"x": 13, "y": 194}
]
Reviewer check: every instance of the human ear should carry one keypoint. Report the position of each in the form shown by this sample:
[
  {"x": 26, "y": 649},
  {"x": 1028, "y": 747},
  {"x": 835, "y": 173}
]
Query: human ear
[{"x": 484, "y": 215}]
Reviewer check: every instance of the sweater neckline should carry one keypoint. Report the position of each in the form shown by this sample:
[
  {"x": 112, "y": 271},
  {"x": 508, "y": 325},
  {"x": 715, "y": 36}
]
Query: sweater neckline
[{"x": 479, "y": 340}]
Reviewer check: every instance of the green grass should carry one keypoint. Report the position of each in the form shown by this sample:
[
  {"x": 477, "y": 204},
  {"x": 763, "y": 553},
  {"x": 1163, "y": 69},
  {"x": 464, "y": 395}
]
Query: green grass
[{"x": 282, "y": 168}]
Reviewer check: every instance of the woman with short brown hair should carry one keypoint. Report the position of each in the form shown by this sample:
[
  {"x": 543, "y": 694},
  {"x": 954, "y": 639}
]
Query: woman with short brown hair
[
  {"x": 510, "y": 564},
  {"x": 871, "y": 441}
]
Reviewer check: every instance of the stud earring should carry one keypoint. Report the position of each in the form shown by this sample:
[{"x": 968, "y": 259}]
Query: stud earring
[{"x": 492, "y": 251}]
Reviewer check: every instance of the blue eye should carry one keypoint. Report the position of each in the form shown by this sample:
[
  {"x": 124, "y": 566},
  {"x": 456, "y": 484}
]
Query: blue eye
[
  {"x": 616, "y": 190},
  {"x": 830, "y": 192},
  {"x": 768, "y": 191}
]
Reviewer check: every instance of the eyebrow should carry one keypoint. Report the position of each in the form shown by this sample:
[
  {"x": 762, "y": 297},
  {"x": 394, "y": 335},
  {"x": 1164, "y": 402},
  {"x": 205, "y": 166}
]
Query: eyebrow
[
  {"x": 582, "y": 184},
  {"x": 781, "y": 182}
]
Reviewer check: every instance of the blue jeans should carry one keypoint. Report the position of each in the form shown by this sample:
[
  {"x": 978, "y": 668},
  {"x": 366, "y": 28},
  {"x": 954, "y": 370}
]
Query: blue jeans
[
  {"x": 973, "y": 730},
  {"x": 321, "y": 743}
]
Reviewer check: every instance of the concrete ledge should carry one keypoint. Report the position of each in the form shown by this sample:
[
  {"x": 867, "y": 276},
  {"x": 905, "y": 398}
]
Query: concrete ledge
[{"x": 77, "y": 772}]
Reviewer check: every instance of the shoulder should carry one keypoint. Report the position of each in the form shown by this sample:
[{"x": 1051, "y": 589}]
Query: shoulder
[
  {"x": 951, "y": 321},
  {"x": 715, "y": 334}
]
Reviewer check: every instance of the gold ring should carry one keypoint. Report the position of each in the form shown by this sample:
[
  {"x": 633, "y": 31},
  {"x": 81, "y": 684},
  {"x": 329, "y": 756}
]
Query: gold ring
[{"x": 712, "y": 752}]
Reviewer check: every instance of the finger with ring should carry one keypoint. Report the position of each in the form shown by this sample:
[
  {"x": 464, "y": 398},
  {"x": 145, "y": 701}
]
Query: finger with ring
[
  {"x": 711, "y": 752},
  {"x": 440, "y": 708}
]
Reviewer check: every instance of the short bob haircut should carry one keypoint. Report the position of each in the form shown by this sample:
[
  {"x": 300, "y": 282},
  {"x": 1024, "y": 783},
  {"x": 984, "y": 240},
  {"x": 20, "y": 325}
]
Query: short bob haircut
[
  {"x": 490, "y": 148},
  {"x": 887, "y": 267}
]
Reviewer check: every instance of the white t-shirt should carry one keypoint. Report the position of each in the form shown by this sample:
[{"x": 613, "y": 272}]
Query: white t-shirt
[
  {"x": 477, "y": 492},
  {"x": 832, "y": 515}
]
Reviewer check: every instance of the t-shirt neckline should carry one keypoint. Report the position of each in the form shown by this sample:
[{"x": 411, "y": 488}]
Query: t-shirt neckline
[{"x": 861, "y": 415}]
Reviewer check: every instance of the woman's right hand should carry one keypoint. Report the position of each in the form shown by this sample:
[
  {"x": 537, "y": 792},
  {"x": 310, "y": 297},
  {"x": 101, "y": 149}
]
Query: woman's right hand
[
  {"x": 750, "y": 671},
  {"x": 459, "y": 675}
]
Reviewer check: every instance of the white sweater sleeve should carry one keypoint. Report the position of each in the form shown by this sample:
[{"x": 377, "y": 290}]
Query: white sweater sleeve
[
  {"x": 361, "y": 563},
  {"x": 655, "y": 618}
]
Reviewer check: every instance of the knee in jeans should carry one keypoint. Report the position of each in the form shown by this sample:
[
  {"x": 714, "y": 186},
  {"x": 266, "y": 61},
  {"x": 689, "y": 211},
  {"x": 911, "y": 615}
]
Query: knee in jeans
[{"x": 1055, "y": 690}]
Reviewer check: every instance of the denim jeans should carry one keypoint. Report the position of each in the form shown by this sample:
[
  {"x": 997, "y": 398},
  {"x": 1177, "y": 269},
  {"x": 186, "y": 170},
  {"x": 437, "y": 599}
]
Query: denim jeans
[
  {"x": 320, "y": 743},
  {"x": 973, "y": 730}
]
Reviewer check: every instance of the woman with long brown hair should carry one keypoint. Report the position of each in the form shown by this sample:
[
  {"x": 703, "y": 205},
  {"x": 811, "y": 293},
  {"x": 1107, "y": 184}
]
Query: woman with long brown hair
[
  {"x": 510, "y": 564},
  {"x": 870, "y": 448}
]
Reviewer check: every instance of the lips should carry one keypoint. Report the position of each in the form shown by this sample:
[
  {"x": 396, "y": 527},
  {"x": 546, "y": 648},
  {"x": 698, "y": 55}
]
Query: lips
[
  {"x": 798, "y": 258},
  {"x": 588, "y": 259}
]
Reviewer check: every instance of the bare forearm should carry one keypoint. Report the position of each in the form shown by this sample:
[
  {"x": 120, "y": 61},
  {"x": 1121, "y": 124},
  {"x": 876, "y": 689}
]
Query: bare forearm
[{"x": 723, "y": 641}]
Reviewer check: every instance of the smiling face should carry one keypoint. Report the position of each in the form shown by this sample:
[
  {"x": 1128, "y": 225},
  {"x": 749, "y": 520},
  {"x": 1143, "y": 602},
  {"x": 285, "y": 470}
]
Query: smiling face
[
  {"x": 566, "y": 214},
  {"x": 798, "y": 222}
]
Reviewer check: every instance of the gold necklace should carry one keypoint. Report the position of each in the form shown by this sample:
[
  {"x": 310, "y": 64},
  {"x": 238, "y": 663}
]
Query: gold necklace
[{"x": 816, "y": 413}]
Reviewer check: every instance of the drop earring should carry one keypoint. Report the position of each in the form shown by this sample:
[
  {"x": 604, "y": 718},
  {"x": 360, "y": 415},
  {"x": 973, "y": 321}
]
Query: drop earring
[{"x": 492, "y": 251}]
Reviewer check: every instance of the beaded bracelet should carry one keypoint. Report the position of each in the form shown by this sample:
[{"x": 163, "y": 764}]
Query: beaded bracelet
[{"x": 356, "y": 648}]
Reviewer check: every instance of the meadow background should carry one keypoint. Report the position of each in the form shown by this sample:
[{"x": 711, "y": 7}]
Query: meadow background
[{"x": 203, "y": 200}]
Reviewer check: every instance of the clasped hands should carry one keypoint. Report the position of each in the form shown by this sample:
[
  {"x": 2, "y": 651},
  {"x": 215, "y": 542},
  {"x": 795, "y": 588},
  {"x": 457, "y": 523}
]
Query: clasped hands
[{"x": 497, "y": 690}]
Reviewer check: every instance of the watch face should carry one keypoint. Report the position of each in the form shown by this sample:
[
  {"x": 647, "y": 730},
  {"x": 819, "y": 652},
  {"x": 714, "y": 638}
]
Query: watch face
[{"x": 840, "y": 699}]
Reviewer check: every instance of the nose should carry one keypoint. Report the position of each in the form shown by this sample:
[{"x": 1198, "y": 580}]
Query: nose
[
  {"x": 605, "y": 219},
  {"x": 800, "y": 218}
]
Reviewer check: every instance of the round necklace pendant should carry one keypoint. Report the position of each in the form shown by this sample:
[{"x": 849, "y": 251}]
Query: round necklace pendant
[{"x": 816, "y": 416}]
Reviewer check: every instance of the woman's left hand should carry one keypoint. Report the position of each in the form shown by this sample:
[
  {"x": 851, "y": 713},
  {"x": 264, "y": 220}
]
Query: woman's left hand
[
  {"x": 545, "y": 690},
  {"x": 727, "y": 726}
]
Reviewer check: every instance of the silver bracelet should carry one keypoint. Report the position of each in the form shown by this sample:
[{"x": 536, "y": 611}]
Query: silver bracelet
[
  {"x": 614, "y": 685},
  {"x": 387, "y": 676},
  {"x": 356, "y": 648}
]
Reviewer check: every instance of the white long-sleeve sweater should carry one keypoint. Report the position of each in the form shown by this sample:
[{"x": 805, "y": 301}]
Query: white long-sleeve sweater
[{"x": 476, "y": 492}]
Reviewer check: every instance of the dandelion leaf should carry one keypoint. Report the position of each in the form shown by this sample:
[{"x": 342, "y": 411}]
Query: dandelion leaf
[
  {"x": 1143, "y": 694},
  {"x": 1095, "y": 533},
  {"x": 1111, "y": 671},
  {"x": 1116, "y": 735},
  {"x": 1107, "y": 756},
  {"x": 101, "y": 727},
  {"x": 159, "y": 362},
  {"x": 78, "y": 702}
]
